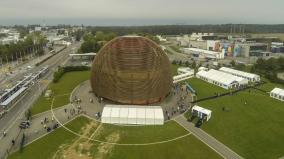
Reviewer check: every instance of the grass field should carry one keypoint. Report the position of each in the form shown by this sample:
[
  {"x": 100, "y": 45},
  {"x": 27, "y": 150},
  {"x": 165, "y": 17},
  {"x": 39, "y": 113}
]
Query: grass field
[
  {"x": 63, "y": 88},
  {"x": 268, "y": 86},
  {"x": 48, "y": 145},
  {"x": 204, "y": 89},
  {"x": 174, "y": 69},
  {"x": 251, "y": 123},
  {"x": 61, "y": 143}
]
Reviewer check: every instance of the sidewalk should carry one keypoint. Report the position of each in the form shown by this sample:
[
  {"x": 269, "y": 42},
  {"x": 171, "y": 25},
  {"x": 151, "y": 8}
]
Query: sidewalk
[{"x": 36, "y": 129}]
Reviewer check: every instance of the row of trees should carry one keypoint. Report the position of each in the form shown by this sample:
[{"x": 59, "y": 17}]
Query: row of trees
[
  {"x": 186, "y": 29},
  {"x": 33, "y": 43},
  {"x": 94, "y": 42},
  {"x": 269, "y": 68}
]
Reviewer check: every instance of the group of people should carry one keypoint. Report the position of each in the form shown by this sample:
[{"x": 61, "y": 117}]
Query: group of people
[
  {"x": 45, "y": 121},
  {"x": 181, "y": 93}
]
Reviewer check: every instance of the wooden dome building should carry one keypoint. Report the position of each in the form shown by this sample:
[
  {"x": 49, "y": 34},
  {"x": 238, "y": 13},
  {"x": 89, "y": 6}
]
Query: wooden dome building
[{"x": 131, "y": 70}]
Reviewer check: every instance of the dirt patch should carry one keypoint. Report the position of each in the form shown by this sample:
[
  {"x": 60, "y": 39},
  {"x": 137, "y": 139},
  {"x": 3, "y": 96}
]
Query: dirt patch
[
  {"x": 80, "y": 147},
  {"x": 105, "y": 149}
]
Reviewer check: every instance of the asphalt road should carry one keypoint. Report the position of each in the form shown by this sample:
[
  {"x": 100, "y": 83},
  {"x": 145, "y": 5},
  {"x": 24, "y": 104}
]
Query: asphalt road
[
  {"x": 176, "y": 55},
  {"x": 18, "y": 71},
  {"x": 16, "y": 113}
]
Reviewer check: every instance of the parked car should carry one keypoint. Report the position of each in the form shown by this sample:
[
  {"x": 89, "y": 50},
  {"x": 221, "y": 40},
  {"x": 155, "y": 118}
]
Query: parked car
[{"x": 24, "y": 125}]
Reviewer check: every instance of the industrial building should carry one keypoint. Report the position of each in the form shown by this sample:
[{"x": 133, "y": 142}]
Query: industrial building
[
  {"x": 222, "y": 79},
  {"x": 249, "y": 76},
  {"x": 277, "y": 47},
  {"x": 277, "y": 93},
  {"x": 199, "y": 44},
  {"x": 132, "y": 115},
  {"x": 131, "y": 70},
  {"x": 250, "y": 49},
  {"x": 200, "y": 53}
]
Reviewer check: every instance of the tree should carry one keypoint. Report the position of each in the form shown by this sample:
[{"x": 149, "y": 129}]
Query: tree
[
  {"x": 186, "y": 63},
  {"x": 233, "y": 63},
  {"x": 193, "y": 65}
]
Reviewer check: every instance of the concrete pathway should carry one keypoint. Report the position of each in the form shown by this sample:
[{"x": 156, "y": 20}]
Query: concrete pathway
[
  {"x": 210, "y": 141},
  {"x": 36, "y": 129}
]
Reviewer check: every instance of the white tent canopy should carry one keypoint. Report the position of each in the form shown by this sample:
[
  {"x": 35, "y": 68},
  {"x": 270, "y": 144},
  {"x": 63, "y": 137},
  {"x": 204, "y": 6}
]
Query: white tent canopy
[
  {"x": 182, "y": 77},
  {"x": 182, "y": 70},
  {"x": 133, "y": 114},
  {"x": 277, "y": 93},
  {"x": 221, "y": 79},
  {"x": 249, "y": 76},
  {"x": 201, "y": 112}
]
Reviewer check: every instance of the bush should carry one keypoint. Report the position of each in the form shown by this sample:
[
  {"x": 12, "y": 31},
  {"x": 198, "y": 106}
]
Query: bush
[{"x": 62, "y": 70}]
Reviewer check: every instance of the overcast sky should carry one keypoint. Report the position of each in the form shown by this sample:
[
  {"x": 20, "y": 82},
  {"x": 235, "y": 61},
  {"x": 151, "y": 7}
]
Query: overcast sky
[{"x": 137, "y": 12}]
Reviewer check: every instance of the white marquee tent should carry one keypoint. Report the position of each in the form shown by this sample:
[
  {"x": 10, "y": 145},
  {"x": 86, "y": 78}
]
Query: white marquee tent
[
  {"x": 133, "y": 114},
  {"x": 249, "y": 76},
  {"x": 201, "y": 112},
  {"x": 182, "y": 77},
  {"x": 277, "y": 93},
  {"x": 221, "y": 79},
  {"x": 183, "y": 70}
]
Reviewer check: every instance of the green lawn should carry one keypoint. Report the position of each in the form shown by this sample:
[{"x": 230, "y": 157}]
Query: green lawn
[
  {"x": 145, "y": 134},
  {"x": 45, "y": 147},
  {"x": 204, "y": 89},
  {"x": 63, "y": 88},
  {"x": 268, "y": 86},
  {"x": 187, "y": 147},
  {"x": 174, "y": 69},
  {"x": 254, "y": 129}
]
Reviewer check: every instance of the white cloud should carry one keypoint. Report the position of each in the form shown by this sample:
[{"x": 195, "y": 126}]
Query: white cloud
[{"x": 237, "y": 10}]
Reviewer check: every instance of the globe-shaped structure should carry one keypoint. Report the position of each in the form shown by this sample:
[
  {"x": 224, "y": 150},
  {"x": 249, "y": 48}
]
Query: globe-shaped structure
[{"x": 131, "y": 70}]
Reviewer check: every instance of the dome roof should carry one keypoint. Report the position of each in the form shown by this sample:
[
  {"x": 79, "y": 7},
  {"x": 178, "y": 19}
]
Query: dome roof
[{"x": 131, "y": 70}]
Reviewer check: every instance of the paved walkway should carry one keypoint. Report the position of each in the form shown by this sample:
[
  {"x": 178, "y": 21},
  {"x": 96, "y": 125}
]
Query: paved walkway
[
  {"x": 176, "y": 103},
  {"x": 217, "y": 146},
  {"x": 36, "y": 129}
]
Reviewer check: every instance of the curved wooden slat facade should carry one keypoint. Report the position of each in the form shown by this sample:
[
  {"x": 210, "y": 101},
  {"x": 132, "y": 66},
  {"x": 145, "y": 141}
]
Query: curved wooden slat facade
[{"x": 131, "y": 70}]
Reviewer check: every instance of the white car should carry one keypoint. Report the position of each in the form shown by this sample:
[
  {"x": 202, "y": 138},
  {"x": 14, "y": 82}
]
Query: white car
[{"x": 29, "y": 67}]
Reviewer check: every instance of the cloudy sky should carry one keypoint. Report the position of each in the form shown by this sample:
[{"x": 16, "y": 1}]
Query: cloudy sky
[{"x": 137, "y": 12}]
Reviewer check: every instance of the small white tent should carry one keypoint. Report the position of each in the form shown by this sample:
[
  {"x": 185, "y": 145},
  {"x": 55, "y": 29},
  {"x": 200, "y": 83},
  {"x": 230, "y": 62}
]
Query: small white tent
[
  {"x": 201, "y": 112},
  {"x": 277, "y": 93}
]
